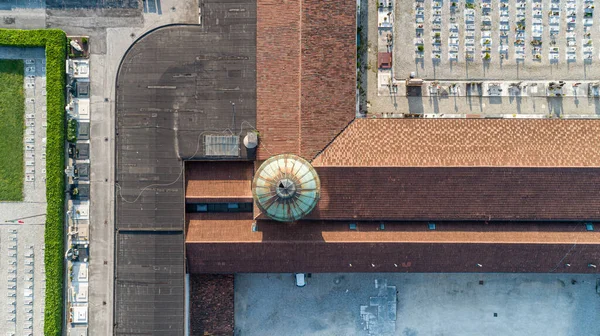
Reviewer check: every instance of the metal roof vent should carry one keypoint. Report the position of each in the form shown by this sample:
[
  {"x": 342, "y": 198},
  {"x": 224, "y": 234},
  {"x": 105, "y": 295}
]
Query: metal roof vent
[
  {"x": 251, "y": 140},
  {"x": 286, "y": 187}
]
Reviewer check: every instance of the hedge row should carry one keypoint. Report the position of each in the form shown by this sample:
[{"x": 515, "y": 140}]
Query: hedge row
[{"x": 55, "y": 43}]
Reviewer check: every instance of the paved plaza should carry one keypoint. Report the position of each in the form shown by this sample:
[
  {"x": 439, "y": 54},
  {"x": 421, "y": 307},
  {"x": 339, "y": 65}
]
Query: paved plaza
[
  {"x": 22, "y": 277},
  {"x": 427, "y": 304},
  {"x": 482, "y": 58},
  {"x": 486, "y": 107}
]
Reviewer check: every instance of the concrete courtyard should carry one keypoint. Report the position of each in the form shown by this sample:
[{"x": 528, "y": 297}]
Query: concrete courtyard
[
  {"x": 566, "y": 29},
  {"x": 22, "y": 273},
  {"x": 428, "y": 304},
  {"x": 563, "y": 28}
]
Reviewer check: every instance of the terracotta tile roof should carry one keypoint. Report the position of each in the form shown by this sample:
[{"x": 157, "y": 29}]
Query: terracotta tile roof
[
  {"x": 306, "y": 74},
  {"x": 384, "y": 60},
  {"x": 239, "y": 231},
  {"x": 229, "y": 246},
  {"x": 437, "y": 193},
  {"x": 278, "y": 34},
  {"x": 218, "y": 180},
  {"x": 328, "y": 72},
  {"x": 390, "y": 257},
  {"x": 229, "y": 227},
  {"x": 462, "y": 142},
  {"x": 228, "y": 199}
]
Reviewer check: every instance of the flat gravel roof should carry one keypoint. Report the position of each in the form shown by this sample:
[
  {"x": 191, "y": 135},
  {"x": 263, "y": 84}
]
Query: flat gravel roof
[{"x": 175, "y": 85}]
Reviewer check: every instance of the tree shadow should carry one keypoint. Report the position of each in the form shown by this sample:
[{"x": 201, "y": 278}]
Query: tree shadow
[
  {"x": 596, "y": 105},
  {"x": 434, "y": 64},
  {"x": 419, "y": 61},
  {"x": 586, "y": 62},
  {"x": 575, "y": 97},
  {"x": 434, "y": 103},
  {"x": 555, "y": 106},
  {"x": 485, "y": 66},
  {"x": 455, "y": 104},
  {"x": 415, "y": 105},
  {"x": 514, "y": 95}
]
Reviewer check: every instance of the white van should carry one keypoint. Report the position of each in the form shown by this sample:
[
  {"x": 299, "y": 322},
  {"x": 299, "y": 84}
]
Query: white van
[{"x": 300, "y": 279}]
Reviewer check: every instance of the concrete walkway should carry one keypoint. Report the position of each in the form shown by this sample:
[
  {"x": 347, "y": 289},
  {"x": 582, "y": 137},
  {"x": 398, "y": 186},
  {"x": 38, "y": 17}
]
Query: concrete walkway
[{"x": 461, "y": 107}]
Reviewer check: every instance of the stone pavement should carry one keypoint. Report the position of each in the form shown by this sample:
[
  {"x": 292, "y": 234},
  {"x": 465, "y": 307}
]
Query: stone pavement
[
  {"x": 572, "y": 35},
  {"x": 531, "y": 102},
  {"x": 379, "y": 316},
  {"x": 22, "y": 279},
  {"x": 22, "y": 274},
  {"x": 469, "y": 304},
  {"x": 479, "y": 106}
]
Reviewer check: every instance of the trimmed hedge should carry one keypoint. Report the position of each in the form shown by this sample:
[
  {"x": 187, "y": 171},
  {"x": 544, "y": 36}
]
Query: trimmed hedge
[{"x": 54, "y": 41}]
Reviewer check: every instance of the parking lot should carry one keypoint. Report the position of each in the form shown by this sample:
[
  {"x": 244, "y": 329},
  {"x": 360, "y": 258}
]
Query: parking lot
[{"x": 427, "y": 304}]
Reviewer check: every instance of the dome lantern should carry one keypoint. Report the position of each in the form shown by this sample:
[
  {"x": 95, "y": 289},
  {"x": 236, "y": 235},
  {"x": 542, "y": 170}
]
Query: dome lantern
[{"x": 286, "y": 187}]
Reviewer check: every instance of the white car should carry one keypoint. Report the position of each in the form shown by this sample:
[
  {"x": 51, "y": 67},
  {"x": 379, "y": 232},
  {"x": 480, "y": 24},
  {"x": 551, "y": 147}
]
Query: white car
[{"x": 300, "y": 279}]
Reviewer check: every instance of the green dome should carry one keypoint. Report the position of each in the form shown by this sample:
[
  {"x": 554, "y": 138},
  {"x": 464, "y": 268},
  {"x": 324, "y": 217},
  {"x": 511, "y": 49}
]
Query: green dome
[{"x": 286, "y": 187}]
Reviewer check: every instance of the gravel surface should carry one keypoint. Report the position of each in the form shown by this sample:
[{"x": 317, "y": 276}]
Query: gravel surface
[{"x": 211, "y": 304}]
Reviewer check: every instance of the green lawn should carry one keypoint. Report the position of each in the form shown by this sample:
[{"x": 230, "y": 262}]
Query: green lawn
[{"x": 12, "y": 126}]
